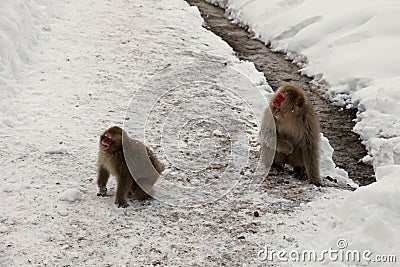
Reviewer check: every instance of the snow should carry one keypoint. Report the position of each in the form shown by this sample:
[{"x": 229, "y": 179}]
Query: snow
[
  {"x": 70, "y": 69},
  {"x": 20, "y": 22},
  {"x": 367, "y": 219},
  {"x": 351, "y": 46},
  {"x": 328, "y": 167}
]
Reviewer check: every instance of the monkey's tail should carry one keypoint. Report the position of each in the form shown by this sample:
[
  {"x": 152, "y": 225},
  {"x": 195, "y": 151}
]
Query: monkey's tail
[{"x": 156, "y": 163}]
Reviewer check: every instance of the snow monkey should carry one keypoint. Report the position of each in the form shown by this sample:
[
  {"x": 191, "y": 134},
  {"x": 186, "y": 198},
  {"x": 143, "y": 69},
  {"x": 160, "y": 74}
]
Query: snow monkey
[
  {"x": 297, "y": 133},
  {"x": 114, "y": 158}
]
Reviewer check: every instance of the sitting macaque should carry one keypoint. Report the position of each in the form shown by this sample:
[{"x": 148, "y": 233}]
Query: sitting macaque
[
  {"x": 297, "y": 133},
  {"x": 133, "y": 164}
]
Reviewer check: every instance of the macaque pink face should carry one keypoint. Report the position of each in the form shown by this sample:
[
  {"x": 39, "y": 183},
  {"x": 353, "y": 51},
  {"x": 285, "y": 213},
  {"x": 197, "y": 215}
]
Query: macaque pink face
[
  {"x": 280, "y": 98},
  {"x": 106, "y": 141}
]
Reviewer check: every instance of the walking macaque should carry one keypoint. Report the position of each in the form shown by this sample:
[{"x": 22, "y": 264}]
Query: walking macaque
[
  {"x": 297, "y": 133},
  {"x": 133, "y": 164}
]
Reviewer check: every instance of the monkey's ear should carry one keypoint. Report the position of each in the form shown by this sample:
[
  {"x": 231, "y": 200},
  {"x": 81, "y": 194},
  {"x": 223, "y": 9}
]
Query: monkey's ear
[{"x": 299, "y": 101}]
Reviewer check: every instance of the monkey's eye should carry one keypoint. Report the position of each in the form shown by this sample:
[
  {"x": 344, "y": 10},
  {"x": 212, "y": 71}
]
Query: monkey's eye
[
  {"x": 281, "y": 96},
  {"x": 108, "y": 136}
]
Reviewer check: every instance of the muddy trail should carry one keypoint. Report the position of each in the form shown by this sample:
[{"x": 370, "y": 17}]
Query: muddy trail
[{"x": 336, "y": 124}]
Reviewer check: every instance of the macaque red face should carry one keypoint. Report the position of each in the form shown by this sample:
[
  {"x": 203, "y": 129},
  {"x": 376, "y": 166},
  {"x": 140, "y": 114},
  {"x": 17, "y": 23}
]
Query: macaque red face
[
  {"x": 111, "y": 140},
  {"x": 288, "y": 103},
  {"x": 106, "y": 141},
  {"x": 280, "y": 98}
]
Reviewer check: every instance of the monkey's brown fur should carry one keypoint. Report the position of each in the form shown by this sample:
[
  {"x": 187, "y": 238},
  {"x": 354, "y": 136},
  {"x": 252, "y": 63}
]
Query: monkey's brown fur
[
  {"x": 297, "y": 133},
  {"x": 114, "y": 158}
]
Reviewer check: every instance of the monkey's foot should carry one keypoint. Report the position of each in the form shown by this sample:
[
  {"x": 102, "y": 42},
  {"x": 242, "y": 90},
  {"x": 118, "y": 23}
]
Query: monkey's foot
[
  {"x": 317, "y": 184},
  {"x": 102, "y": 192},
  {"x": 279, "y": 167},
  {"x": 123, "y": 205},
  {"x": 299, "y": 173}
]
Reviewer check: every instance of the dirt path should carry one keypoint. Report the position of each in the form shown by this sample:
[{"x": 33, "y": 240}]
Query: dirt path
[{"x": 336, "y": 124}]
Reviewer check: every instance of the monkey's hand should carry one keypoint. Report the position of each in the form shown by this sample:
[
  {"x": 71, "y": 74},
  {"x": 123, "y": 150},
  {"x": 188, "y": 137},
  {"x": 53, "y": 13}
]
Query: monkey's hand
[
  {"x": 102, "y": 192},
  {"x": 284, "y": 146}
]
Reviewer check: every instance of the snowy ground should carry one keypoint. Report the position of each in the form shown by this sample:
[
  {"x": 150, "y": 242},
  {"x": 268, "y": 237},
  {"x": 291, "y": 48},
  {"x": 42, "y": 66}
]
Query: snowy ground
[
  {"x": 69, "y": 70},
  {"x": 353, "y": 49}
]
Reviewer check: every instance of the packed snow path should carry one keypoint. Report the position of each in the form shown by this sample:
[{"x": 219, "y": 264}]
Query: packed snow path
[{"x": 93, "y": 57}]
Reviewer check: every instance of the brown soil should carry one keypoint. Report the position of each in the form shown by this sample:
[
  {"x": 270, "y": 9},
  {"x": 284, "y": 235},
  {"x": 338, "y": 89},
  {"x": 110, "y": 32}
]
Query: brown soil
[{"x": 336, "y": 124}]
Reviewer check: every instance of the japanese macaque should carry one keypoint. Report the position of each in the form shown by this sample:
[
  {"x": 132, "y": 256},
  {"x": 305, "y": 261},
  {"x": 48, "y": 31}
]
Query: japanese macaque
[
  {"x": 297, "y": 133},
  {"x": 133, "y": 164}
]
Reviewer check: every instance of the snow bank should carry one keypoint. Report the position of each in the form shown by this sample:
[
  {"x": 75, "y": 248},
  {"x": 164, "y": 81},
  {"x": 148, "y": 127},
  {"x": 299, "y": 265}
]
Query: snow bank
[
  {"x": 369, "y": 217},
  {"x": 366, "y": 221},
  {"x": 328, "y": 167},
  {"x": 20, "y": 24}
]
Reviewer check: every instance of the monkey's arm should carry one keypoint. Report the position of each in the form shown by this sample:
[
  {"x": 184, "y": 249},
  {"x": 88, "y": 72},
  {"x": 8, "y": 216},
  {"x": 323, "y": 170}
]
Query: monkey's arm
[
  {"x": 102, "y": 179},
  {"x": 284, "y": 146}
]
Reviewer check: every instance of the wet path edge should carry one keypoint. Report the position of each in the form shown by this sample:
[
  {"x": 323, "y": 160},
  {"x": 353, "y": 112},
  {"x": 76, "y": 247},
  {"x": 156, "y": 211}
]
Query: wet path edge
[{"x": 336, "y": 124}]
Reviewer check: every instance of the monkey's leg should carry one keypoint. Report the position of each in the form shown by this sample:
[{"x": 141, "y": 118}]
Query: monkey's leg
[
  {"x": 300, "y": 173},
  {"x": 141, "y": 189},
  {"x": 296, "y": 160},
  {"x": 102, "y": 179},
  {"x": 124, "y": 184},
  {"x": 280, "y": 160},
  {"x": 139, "y": 193}
]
